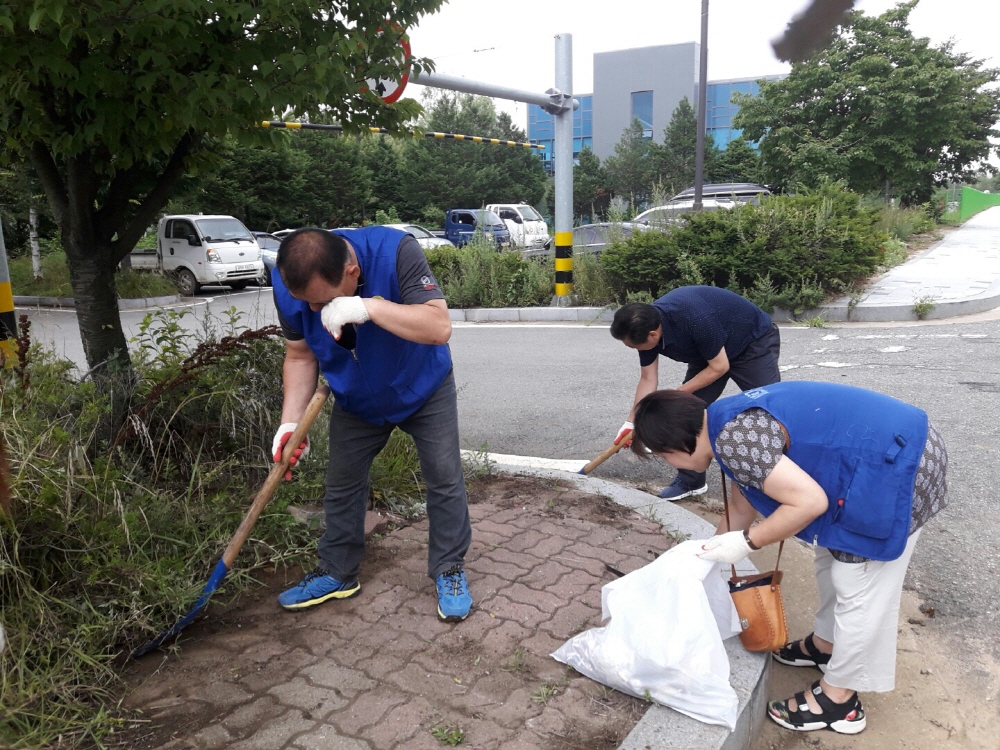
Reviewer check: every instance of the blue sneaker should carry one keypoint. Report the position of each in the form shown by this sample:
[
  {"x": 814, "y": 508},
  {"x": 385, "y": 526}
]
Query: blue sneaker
[
  {"x": 454, "y": 599},
  {"x": 316, "y": 588},
  {"x": 678, "y": 490}
]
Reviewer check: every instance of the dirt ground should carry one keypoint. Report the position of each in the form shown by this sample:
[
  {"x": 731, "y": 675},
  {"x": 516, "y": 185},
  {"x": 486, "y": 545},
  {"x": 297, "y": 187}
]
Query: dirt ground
[
  {"x": 944, "y": 699},
  {"x": 379, "y": 670}
]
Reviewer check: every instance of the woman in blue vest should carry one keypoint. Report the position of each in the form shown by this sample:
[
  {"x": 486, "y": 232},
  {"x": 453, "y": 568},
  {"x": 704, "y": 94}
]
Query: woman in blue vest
[{"x": 855, "y": 474}]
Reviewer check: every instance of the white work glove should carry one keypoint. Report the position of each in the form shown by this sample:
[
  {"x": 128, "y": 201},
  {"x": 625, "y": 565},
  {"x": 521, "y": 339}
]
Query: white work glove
[
  {"x": 282, "y": 436},
  {"x": 730, "y": 547},
  {"x": 341, "y": 311},
  {"x": 624, "y": 430}
]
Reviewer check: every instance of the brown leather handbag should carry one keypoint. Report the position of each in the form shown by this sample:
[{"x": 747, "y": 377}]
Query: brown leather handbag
[{"x": 758, "y": 601}]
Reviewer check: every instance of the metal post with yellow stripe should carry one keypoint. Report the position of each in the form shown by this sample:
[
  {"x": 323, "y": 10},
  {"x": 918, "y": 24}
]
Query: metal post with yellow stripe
[
  {"x": 564, "y": 264},
  {"x": 8, "y": 323},
  {"x": 563, "y": 156}
]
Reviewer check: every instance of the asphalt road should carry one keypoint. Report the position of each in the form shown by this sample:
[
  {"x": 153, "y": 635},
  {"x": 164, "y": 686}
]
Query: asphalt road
[{"x": 561, "y": 391}]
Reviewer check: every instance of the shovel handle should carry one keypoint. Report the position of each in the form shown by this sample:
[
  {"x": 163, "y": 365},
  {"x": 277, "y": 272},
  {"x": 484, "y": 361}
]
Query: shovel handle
[
  {"x": 607, "y": 454},
  {"x": 274, "y": 478}
]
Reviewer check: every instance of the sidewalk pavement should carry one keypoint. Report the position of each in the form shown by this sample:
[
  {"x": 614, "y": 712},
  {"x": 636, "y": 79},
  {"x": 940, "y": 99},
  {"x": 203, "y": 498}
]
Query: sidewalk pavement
[{"x": 379, "y": 672}]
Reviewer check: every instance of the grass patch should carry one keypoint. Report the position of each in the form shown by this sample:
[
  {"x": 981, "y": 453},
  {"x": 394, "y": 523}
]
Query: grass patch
[
  {"x": 113, "y": 532},
  {"x": 55, "y": 279}
]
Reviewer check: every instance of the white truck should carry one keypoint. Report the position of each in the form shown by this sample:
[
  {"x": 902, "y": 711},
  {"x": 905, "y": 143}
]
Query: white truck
[
  {"x": 203, "y": 250},
  {"x": 528, "y": 230}
]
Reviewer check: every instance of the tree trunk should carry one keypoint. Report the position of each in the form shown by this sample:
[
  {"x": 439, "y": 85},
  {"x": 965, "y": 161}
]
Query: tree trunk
[
  {"x": 36, "y": 255},
  {"x": 93, "y": 281}
]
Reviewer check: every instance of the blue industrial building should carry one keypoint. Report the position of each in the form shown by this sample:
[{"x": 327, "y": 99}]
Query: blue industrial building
[{"x": 645, "y": 83}]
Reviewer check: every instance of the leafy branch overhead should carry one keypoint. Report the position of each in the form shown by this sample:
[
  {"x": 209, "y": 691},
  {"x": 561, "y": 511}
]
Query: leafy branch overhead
[
  {"x": 113, "y": 101},
  {"x": 879, "y": 108}
]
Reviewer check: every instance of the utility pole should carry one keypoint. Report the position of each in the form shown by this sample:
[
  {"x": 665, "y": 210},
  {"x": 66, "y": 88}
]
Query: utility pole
[
  {"x": 699, "y": 156},
  {"x": 563, "y": 154},
  {"x": 8, "y": 323}
]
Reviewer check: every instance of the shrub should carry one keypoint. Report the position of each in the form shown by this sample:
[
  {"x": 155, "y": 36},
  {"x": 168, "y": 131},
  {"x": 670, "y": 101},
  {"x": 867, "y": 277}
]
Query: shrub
[
  {"x": 790, "y": 250},
  {"x": 645, "y": 262},
  {"x": 591, "y": 285},
  {"x": 476, "y": 275},
  {"x": 903, "y": 223}
]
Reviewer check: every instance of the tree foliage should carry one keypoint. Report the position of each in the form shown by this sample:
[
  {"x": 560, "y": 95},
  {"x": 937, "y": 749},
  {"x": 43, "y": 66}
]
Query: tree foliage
[
  {"x": 675, "y": 158},
  {"x": 738, "y": 163},
  {"x": 113, "y": 101},
  {"x": 591, "y": 195},
  {"x": 631, "y": 170},
  {"x": 440, "y": 175},
  {"x": 878, "y": 108}
]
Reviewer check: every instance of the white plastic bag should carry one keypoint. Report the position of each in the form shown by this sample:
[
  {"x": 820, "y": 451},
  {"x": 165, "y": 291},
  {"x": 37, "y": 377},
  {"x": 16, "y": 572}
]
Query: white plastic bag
[{"x": 664, "y": 639}]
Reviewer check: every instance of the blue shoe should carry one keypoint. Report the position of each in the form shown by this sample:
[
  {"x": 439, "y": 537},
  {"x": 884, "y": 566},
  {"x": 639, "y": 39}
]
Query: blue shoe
[
  {"x": 678, "y": 490},
  {"x": 454, "y": 599},
  {"x": 316, "y": 588}
]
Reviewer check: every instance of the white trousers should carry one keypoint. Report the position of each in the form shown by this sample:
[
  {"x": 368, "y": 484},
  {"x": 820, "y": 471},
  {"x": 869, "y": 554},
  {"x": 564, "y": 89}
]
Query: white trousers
[{"x": 859, "y": 612}]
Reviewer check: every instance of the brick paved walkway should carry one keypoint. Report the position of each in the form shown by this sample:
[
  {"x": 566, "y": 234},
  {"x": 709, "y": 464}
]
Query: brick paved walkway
[{"x": 379, "y": 671}]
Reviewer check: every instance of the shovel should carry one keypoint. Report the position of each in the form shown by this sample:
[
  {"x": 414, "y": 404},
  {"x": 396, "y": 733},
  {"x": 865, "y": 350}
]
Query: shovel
[
  {"x": 606, "y": 454},
  {"x": 246, "y": 525}
]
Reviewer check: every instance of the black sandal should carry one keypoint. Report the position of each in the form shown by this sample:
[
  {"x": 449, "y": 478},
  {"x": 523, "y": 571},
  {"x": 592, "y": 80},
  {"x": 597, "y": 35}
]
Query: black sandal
[
  {"x": 845, "y": 718},
  {"x": 794, "y": 655}
]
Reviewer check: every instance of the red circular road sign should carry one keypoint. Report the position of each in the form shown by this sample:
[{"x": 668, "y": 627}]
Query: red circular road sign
[{"x": 386, "y": 89}]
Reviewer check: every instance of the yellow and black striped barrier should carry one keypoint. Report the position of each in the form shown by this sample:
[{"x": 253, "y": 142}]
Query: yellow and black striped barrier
[
  {"x": 8, "y": 323},
  {"x": 564, "y": 264},
  {"x": 416, "y": 133}
]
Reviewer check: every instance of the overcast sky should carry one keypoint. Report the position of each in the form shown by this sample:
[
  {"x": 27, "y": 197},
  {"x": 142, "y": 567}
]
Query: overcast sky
[{"x": 511, "y": 43}]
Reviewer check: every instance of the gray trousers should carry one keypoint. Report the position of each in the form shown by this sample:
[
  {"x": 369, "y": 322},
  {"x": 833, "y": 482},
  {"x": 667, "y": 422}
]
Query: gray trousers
[{"x": 354, "y": 443}]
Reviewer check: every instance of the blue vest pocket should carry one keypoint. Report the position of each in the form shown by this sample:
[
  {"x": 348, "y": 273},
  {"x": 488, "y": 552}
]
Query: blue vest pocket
[{"x": 868, "y": 508}]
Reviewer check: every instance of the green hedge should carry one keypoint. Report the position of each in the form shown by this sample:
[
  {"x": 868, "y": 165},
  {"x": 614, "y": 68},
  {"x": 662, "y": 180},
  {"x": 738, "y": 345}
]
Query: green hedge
[{"x": 791, "y": 251}]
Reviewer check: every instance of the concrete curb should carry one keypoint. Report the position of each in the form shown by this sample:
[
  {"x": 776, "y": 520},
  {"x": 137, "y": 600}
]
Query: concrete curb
[
  {"x": 532, "y": 315},
  {"x": 123, "y": 304},
  {"x": 663, "y": 728}
]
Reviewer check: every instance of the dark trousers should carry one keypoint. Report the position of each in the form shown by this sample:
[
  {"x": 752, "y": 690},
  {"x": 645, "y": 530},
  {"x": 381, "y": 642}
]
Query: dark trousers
[
  {"x": 354, "y": 443},
  {"x": 755, "y": 367}
]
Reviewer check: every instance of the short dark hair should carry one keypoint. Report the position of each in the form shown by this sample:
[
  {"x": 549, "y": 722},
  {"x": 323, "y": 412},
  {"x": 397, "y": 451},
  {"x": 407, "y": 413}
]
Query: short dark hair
[
  {"x": 635, "y": 321},
  {"x": 307, "y": 253},
  {"x": 667, "y": 421}
]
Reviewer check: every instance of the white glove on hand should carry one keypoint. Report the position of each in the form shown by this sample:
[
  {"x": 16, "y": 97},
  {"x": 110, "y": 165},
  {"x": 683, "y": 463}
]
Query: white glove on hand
[
  {"x": 341, "y": 311},
  {"x": 622, "y": 432},
  {"x": 730, "y": 547},
  {"x": 282, "y": 436}
]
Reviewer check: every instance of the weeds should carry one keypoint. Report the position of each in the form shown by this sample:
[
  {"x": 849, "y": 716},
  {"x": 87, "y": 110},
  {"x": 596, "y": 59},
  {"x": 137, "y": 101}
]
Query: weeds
[
  {"x": 545, "y": 693},
  {"x": 110, "y": 539},
  {"x": 448, "y": 734},
  {"x": 516, "y": 663},
  {"x": 817, "y": 321},
  {"x": 923, "y": 305}
]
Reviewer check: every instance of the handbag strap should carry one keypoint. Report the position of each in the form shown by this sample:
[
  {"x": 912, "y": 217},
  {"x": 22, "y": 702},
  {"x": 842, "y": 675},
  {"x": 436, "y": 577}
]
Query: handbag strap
[{"x": 725, "y": 504}]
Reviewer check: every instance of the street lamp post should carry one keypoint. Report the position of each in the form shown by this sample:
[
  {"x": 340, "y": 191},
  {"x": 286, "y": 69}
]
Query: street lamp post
[{"x": 699, "y": 156}]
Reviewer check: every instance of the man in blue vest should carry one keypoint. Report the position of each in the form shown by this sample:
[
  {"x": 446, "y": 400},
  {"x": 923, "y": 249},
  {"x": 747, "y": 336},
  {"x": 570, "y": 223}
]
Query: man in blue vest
[
  {"x": 854, "y": 473},
  {"x": 718, "y": 334},
  {"x": 362, "y": 307}
]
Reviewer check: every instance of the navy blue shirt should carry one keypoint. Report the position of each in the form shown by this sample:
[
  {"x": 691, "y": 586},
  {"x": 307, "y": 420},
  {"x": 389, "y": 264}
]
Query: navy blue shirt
[{"x": 699, "y": 321}]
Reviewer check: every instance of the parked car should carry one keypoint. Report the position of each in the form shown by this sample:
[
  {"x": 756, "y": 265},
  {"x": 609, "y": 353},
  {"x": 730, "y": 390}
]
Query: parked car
[
  {"x": 594, "y": 238},
  {"x": 740, "y": 192},
  {"x": 269, "y": 244},
  {"x": 425, "y": 238},
  {"x": 202, "y": 250},
  {"x": 461, "y": 223},
  {"x": 714, "y": 197},
  {"x": 527, "y": 228}
]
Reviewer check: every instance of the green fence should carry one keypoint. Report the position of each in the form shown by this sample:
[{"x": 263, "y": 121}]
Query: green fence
[{"x": 974, "y": 201}]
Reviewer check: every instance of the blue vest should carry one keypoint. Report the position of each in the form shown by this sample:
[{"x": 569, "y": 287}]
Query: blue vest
[
  {"x": 861, "y": 447},
  {"x": 384, "y": 378}
]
